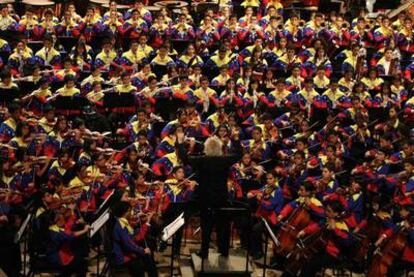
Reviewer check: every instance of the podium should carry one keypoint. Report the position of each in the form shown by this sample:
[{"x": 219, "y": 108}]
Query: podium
[{"x": 70, "y": 105}]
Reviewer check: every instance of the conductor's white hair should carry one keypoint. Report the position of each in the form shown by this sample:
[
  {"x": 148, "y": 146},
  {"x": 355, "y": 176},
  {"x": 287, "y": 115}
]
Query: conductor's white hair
[{"x": 213, "y": 146}]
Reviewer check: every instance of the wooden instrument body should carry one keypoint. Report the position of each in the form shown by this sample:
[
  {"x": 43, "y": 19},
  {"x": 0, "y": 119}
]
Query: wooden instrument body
[
  {"x": 304, "y": 251},
  {"x": 365, "y": 240},
  {"x": 383, "y": 259},
  {"x": 288, "y": 233}
]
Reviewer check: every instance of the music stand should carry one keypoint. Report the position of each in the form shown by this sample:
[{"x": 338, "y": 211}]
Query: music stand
[
  {"x": 114, "y": 100},
  {"x": 95, "y": 227},
  {"x": 27, "y": 87},
  {"x": 269, "y": 233},
  {"x": 8, "y": 95},
  {"x": 67, "y": 42},
  {"x": 18, "y": 237},
  {"x": 159, "y": 70},
  {"x": 70, "y": 103},
  {"x": 169, "y": 231}
]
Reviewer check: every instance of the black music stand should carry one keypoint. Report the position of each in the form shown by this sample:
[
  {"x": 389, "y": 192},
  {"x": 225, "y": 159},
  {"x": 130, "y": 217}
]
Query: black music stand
[
  {"x": 114, "y": 100},
  {"x": 18, "y": 237},
  {"x": 180, "y": 45},
  {"x": 96, "y": 226},
  {"x": 8, "y": 95},
  {"x": 159, "y": 70},
  {"x": 269, "y": 233},
  {"x": 70, "y": 102},
  {"x": 27, "y": 87},
  {"x": 170, "y": 231},
  {"x": 67, "y": 42}
]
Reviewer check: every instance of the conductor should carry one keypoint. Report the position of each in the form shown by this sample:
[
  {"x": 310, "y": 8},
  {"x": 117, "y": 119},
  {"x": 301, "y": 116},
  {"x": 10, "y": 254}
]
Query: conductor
[{"x": 212, "y": 171}]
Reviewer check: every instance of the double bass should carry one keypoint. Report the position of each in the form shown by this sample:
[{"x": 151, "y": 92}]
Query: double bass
[
  {"x": 384, "y": 256},
  {"x": 299, "y": 219}
]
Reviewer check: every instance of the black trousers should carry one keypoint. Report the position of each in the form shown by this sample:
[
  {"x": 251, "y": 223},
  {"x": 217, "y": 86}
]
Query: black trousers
[
  {"x": 137, "y": 267},
  {"x": 210, "y": 218}
]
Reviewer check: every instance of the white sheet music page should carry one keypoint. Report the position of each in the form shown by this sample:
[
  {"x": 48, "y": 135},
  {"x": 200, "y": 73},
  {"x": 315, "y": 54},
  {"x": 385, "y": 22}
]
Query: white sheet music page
[{"x": 173, "y": 227}]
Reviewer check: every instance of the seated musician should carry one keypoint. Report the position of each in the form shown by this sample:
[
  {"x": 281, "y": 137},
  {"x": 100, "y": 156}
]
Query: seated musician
[
  {"x": 406, "y": 260},
  {"x": 7, "y": 22},
  {"x": 87, "y": 83},
  {"x": 126, "y": 252},
  {"x": 144, "y": 13},
  {"x": 177, "y": 189},
  {"x": 205, "y": 96},
  {"x": 59, "y": 251},
  {"x": 126, "y": 85},
  {"x": 27, "y": 23},
  {"x": 21, "y": 55},
  {"x": 182, "y": 30},
  {"x": 8, "y": 127},
  {"x": 132, "y": 58},
  {"x": 96, "y": 95},
  {"x": 47, "y": 27},
  {"x": 338, "y": 240},
  {"x": 68, "y": 70},
  {"x": 48, "y": 55},
  {"x": 270, "y": 202},
  {"x": 68, "y": 27},
  {"x": 112, "y": 10},
  {"x": 135, "y": 26},
  {"x": 7, "y": 83},
  {"x": 162, "y": 59},
  {"x": 81, "y": 59},
  {"x": 47, "y": 122},
  {"x": 140, "y": 79},
  {"x": 106, "y": 58},
  {"x": 69, "y": 89}
]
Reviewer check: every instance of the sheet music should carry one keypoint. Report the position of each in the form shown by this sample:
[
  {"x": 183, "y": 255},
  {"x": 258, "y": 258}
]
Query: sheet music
[
  {"x": 272, "y": 235},
  {"x": 97, "y": 224},
  {"x": 23, "y": 227},
  {"x": 173, "y": 227}
]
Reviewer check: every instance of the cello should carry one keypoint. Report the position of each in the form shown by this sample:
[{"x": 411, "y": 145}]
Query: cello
[
  {"x": 384, "y": 256},
  {"x": 304, "y": 250},
  {"x": 365, "y": 240},
  {"x": 299, "y": 219}
]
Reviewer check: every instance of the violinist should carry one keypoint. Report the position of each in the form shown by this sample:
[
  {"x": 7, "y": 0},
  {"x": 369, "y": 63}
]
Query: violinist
[
  {"x": 59, "y": 251},
  {"x": 177, "y": 190},
  {"x": 337, "y": 236},
  {"x": 270, "y": 202},
  {"x": 48, "y": 121},
  {"x": 37, "y": 99},
  {"x": 126, "y": 251},
  {"x": 59, "y": 169},
  {"x": 309, "y": 201},
  {"x": 8, "y": 127}
]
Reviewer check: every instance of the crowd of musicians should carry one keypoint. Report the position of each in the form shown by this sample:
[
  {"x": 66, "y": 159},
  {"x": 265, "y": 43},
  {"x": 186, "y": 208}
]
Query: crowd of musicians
[{"x": 317, "y": 109}]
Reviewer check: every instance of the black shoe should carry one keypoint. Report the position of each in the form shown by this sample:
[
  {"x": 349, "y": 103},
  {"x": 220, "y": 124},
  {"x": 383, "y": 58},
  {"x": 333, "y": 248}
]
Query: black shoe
[
  {"x": 225, "y": 255},
  {"x": 202, "y": 255}
]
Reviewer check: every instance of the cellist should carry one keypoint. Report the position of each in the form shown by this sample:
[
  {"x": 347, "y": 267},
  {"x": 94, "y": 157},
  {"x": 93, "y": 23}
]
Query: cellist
[
  {"x": 406, "y": 260},
  {"x": 337, "y": 240}
]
